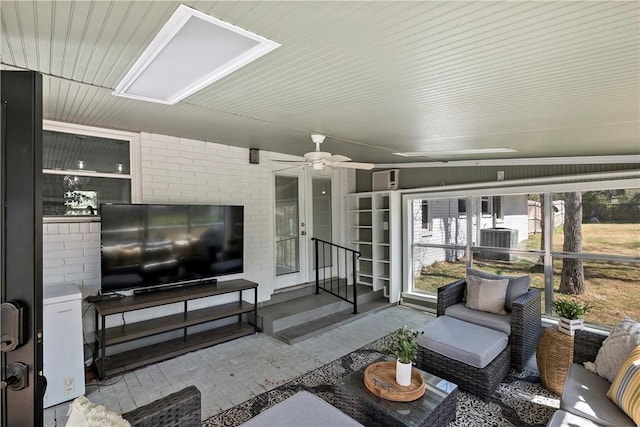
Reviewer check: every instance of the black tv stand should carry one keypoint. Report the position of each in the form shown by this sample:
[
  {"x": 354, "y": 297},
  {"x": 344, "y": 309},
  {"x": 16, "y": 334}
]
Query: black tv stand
[
  {"x": 191, "y": 340},
  {"x": 169, "y": 286}
]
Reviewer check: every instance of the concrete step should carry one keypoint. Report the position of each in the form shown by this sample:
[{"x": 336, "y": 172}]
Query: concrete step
[
  {"x": 295, "y": 317},
  {"x": 310, "y": 329},
  {"x": 293, "y": 312}
]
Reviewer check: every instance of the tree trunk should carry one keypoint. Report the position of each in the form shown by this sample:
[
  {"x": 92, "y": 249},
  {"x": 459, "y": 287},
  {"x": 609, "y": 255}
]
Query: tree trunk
[{"x": 572, "y": 278}]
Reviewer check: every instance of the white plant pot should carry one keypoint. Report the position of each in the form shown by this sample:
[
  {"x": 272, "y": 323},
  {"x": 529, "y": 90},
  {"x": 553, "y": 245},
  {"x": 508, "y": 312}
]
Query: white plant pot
[
  {"x": 403, "y": 373},
  {"x": 570, "y": 327}
]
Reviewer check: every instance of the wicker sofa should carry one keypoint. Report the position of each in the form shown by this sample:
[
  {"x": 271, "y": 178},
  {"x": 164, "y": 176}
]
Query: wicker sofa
[
  {"x": 523, "y": 322},
  {"x": 585, "y": 393},
  {"x": 179, "y": 409}
]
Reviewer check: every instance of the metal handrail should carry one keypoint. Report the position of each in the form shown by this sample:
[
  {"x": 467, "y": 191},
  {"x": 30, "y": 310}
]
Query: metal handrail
[{"x": 336, "y": 253}]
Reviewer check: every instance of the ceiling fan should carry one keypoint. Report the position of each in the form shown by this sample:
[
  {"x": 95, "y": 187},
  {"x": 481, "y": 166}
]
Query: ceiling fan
[{"x": 321, "y": 160}]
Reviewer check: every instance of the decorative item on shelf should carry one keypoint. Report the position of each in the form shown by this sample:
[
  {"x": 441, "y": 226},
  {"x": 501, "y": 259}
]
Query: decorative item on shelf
[
  {"x": 404, "y": 346},
  {"x": 570, "y": 311}
]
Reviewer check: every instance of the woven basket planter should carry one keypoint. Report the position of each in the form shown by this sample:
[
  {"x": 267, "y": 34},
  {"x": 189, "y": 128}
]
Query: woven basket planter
[{"x": 554, "y": 356}]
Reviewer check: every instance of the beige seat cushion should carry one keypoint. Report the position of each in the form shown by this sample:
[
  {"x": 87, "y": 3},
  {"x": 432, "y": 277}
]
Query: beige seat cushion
[
  {"x": 499, "y": 322},
  {"x": 585, "y": 395}
]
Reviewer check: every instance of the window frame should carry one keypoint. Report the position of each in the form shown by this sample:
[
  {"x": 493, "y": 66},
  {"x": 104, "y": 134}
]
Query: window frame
[
  {"x": 428, "y": 221},
  {"x": 497, "y": 207},
  {"x": 134, "y": 163},
  {"x": 544, "y": 188},
  {"x": 462, "y": 207}
]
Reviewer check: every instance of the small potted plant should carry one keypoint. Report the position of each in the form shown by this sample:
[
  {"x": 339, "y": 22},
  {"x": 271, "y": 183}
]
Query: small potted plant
[
  {"x": 570, "y": 311},
  {"x": 404, "y": 346}
]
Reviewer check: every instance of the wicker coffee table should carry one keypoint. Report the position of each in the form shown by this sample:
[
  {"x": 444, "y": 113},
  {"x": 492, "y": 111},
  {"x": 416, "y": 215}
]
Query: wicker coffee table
[{"x": 436, "y": 408}]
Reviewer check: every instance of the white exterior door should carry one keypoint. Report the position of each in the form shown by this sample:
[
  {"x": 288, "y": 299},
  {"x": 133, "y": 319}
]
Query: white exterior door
[
  {"x": 291, "y": 241},
  {"x": 303, "y": 209}
]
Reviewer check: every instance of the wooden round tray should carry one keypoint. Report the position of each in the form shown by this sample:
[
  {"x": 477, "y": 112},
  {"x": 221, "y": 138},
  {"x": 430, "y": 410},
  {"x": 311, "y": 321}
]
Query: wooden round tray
[{"x": 380, "y": 379}]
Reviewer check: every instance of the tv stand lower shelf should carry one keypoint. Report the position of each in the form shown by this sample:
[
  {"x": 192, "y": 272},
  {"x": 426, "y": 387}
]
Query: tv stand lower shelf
[{"x": 190, "y": 341}]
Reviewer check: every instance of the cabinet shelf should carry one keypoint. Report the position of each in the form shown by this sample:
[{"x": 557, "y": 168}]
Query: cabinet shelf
[
  {"x": 145, "y": 328},
  {"x": 364, "y": 274},
  {"x": 170, "y": 296},
  {"x": 133, "y": 359}
]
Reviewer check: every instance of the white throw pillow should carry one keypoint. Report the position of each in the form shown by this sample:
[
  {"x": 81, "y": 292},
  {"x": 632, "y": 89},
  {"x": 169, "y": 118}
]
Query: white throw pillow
[
  {"x": 83, "y": 413},
  {"x": 624, "y": 337},
  {"x": 486, "y": 295}
]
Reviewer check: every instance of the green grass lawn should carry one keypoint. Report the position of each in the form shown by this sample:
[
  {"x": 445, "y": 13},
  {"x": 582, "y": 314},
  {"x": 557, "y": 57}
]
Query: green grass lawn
[{"x": 612, "y": 288}]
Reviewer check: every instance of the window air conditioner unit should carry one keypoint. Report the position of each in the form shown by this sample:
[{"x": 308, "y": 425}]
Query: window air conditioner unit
[{"x": 385, "y": 180}]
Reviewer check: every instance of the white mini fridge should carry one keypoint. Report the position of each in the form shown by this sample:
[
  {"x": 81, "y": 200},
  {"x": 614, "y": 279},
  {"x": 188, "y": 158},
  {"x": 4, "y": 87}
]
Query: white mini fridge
[{"x": 63, "y": 346}]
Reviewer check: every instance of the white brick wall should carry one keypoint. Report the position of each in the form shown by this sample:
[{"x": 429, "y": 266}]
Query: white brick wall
[
  {"x": 178, "y": 170},
  {"x": 175, "y": 170},
  {"x": 71, "y": 254}
]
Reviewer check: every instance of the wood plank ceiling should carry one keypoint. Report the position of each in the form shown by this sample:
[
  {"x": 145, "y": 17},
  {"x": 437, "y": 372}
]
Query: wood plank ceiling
[{"x": 543, "y": 78}]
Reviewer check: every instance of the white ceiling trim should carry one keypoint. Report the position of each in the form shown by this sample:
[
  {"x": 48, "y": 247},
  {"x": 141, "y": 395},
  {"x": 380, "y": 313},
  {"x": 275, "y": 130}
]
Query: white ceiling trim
[{"x": 584, "y": 160}]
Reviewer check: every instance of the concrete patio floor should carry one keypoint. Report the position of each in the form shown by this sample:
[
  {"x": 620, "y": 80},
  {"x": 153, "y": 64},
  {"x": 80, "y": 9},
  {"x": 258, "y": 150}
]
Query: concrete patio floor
[{"x": 230, "y": 373}]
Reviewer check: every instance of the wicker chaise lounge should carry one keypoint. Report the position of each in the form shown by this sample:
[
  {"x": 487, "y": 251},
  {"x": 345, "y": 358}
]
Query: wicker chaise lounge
[{"x": 524, "y": 319}]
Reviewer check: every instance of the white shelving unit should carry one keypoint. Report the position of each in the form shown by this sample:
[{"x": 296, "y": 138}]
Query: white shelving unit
[{"x": 375, "y": 231}]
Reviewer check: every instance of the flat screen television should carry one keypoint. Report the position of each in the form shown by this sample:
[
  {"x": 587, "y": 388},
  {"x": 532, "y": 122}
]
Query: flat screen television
[{"x": 146, "y": 246}]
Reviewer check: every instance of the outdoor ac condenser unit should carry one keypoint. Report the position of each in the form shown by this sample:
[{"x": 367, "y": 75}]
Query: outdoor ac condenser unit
[{"x": 385, "y": 180}]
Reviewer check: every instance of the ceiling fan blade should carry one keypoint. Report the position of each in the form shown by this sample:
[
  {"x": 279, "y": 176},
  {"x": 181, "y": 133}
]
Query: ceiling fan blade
[
  {"x": 289, "y": 168},
  {"x": 337, "y": 158},
  {"x": 354, "y": 165},
  {"x": 299, "y": 162}
]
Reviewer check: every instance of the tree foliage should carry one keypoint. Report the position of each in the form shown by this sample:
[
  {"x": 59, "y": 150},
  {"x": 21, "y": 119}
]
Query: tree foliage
[{"x": 611, "y": 206}]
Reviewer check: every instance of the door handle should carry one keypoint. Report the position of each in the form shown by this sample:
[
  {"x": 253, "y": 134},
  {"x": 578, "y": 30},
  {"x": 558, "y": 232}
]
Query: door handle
[{"x": 16, "y": 376}]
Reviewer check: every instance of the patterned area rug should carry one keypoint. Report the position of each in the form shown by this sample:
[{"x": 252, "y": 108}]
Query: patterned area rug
[{"x": 519, "y": 401}]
